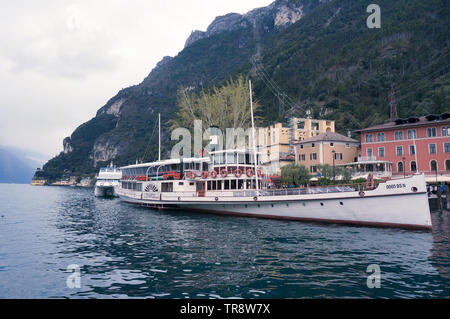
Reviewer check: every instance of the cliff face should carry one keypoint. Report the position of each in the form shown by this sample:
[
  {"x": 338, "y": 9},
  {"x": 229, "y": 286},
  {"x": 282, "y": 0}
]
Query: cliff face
[
  {"x": 279, "y": 14},
  {"x": 319, "y": 53}
]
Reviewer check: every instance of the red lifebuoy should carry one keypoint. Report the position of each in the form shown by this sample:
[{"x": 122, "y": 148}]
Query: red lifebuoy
[
  {"x": 250, "y": 172},
  {"x": 205, "y": 174},
  {"x": 213, "y": 174},
  {"x": 224, "y": 173},
  {"x": 238, "y": 173},
  {"x": 191, "y": 174}
]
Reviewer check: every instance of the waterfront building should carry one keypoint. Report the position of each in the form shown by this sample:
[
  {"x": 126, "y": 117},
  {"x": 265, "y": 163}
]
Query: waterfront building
[
  {"x": 323, "y": 148},
  {"x": 413, "y": 145},
  {"x": 276, "y": 142}
]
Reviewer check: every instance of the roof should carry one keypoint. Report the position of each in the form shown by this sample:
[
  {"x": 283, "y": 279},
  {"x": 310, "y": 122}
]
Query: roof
[
  {"x": 329, "y": 137},
  {"x": 169, "y": 162},
  {"x": 410, "y": 122}
]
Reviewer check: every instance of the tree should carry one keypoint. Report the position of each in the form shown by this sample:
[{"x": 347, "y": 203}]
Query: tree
[
  {"x": 440, "y": 103},
  {"x": 340, "y": 173},
  {"x": 225, "y": 107},
  {"x": 296, "y": 175}
]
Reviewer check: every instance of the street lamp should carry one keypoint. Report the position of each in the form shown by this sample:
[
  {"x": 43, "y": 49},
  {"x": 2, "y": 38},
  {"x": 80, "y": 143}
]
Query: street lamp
[
  {"x": 404, "y": 167},
  {"x": 334, "y": 171},
  {"x": 436, "y": 173}
]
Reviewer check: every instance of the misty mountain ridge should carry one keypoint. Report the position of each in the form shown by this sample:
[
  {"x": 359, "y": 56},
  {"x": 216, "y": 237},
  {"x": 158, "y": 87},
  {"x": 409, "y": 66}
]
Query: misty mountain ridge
[{"x": 16, "y": 166}]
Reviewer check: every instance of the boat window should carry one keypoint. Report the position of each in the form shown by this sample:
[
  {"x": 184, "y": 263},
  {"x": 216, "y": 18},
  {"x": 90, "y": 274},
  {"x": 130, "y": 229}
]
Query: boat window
[
  {"x": 209, "y": 185},
  {"x": 219, "y": 185},
  {"x": 240, "y": 184},
  {"x": 222, "y": 159},
  {"x": 231, "y": 158},
  {"x": 241, "y": 158},
  {"x": 139, "y": 187},
  {"x": 214, "y": 185},
  {"x": 167, "y": 187},
  {"x": 247, "y": 158},
  {"x": 233, "y": 184},
  {"x": 227, "y": 184}
]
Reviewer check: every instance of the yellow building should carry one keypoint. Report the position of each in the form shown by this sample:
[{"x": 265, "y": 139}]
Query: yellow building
[
  {"x": 276, "y": 142},
  {"x": 320, "y": 150},
  {"x": 38, "y": 182}
]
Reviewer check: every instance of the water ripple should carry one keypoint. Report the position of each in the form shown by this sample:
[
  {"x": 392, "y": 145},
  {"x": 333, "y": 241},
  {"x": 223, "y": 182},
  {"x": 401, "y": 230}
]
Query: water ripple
[{"x": 125, "y": 251}]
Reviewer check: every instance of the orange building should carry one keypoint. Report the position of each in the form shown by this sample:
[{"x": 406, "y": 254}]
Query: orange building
[
  {"x": 320, "y": 150},
  {"x": 276, "y": 142}
]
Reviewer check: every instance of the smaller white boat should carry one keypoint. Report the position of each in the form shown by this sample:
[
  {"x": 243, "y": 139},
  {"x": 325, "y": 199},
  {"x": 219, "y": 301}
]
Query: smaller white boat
[{"x": 108, "y": 180}]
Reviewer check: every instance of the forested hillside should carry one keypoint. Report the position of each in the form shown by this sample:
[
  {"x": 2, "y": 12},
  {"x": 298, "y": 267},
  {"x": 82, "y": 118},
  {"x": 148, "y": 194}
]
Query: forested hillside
[{"x": 327, "y": 61}]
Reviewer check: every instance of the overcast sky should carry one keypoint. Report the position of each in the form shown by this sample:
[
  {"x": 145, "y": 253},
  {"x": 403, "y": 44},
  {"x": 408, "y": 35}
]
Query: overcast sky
[{"x": 60, "y": 61}]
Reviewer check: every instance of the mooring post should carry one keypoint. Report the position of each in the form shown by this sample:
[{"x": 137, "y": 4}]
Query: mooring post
[
  {"x": 439, "y": 197},
  {"x": 447, "y": 196}
]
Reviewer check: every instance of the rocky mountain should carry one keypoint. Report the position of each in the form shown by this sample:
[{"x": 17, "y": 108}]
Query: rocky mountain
[
  {"x": 277, "y": 15},
  {"x": 301, "y": 54}
]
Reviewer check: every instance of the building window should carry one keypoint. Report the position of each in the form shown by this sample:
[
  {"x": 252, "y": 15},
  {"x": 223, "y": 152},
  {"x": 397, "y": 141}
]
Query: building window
[
  {"x": 398, "y": 135},
  {"x": 301, "y": 146},
  {"x": 338, "y": 156},
  {"x": 412, "y": 134},
  {"x": 381, "y": 151},
  {"x": 413, "y": 166},
  {"x": 302, "y": 157},
  {"x": 369, "y": 152},
  {"x": 313, "y": 145},
  {"x": 399, "y": 150},
  {"x": 446, "y": 131},
  {"x": 447, "y": 165},
  {"x": 347, "y": 145},
  {"x": 432, "y": 148},
  {"x": 313, "y": 156},
  {"x": 412, "y": 150},
  {"x": 369, "y": 138},
  {"x": 447, "y": 147},
  {"x": 400, "y": 167},
  {"x": 433, "y": 166},
  {"x": 431, "y": 132},
  {"x": 380, "y": 137},
  {"x": 331, "y": 144},
  {"x": 313, "y": 169}
]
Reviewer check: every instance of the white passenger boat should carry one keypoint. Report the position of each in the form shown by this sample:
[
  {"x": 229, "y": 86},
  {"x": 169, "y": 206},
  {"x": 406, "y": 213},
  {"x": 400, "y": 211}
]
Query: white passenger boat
[
  {"x": 232, "y": 182},
  {"x": 108, "y": 181},
  {"x": 226, "y": 183}
]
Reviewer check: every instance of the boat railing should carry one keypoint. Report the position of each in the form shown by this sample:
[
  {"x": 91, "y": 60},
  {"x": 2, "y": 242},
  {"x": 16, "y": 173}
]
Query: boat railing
[{"x": 304, "y": 191}]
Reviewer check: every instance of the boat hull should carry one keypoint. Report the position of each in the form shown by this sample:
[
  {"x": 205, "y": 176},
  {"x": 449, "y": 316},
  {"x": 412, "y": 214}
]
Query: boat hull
[
  {"x": 105, "y": 191},
  {"x": 403, "y": 206}
]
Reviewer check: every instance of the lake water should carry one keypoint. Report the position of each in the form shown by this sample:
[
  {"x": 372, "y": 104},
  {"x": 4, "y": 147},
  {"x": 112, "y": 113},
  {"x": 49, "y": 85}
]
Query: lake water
[{"x": 127, "y": 251}]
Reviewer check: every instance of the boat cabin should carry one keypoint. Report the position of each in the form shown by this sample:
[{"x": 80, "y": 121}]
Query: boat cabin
[{"x": 222, "y": 171}]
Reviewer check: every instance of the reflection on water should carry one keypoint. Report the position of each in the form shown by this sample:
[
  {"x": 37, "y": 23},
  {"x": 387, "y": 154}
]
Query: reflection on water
[{"x": 125, "y": 251}]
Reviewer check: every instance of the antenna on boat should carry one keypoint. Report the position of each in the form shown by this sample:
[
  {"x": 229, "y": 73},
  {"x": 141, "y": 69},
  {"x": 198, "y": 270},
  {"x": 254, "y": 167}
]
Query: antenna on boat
[
  {"x": 253, "y": 136},
  {"x": 159, "y": 137}
]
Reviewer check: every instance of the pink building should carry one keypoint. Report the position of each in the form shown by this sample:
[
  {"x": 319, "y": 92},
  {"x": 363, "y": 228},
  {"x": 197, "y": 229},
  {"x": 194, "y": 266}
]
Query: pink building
[{"x": 411, "y": 145}]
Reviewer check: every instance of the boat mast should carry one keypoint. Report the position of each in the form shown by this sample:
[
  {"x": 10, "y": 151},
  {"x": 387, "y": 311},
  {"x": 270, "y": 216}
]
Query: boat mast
[
  {"x": 159, "y": 137},
  {"x": 253, "y": 136}
]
